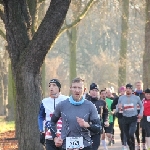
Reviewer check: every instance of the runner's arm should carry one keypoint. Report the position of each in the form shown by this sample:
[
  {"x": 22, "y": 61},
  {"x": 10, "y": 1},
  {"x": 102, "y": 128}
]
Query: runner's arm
[
  {"x": 95, "y": 126},
  {"x": 105, "y": 113},
  {"x": 41, "y": 117},
  {"x": 55, "y": 117},
  {"x": 115, "y": 102},
  {"x": 141, "y": 106}
]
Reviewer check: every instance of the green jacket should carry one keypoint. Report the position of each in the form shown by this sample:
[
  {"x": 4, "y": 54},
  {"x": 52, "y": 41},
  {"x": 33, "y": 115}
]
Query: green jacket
[{"x": 109, "y": 102}]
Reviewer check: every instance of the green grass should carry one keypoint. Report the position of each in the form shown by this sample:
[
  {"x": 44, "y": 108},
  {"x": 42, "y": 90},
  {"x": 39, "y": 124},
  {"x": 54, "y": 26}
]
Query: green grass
[{"x": 6, "y": 125}]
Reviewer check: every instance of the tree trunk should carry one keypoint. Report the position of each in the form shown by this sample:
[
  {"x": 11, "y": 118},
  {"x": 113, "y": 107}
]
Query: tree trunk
[
  {"x": 73, "y": 48},
  {"x": 27, "y": 54},
  {"x": 146, "y": 56},
  {"x": 11, "y": 96},
  {"x": 123, "y": 47},
  {"x": 28, "y": 98}
]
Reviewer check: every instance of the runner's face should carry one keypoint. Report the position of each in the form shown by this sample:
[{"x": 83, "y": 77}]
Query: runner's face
[
  {"x": 103, "y": 95},
  {"x": 128, "y": 91},
  {"x": 108, "y": 93},
  {"x": 122, "y": 92},
  {"x": 77, "y": 90},
  {"x": 54, "y": 90},
  {"x": 147, "y": 95},
  {"x": 138, "y": 86},
  {"x": 94, "y": 93}
]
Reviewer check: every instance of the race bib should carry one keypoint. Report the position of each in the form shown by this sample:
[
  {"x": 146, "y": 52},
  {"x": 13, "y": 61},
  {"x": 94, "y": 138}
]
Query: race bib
[
  {"x": 74, "y": 143},
  {"x": 148, "y": 118},
  {"x": 129, "y": 107}
]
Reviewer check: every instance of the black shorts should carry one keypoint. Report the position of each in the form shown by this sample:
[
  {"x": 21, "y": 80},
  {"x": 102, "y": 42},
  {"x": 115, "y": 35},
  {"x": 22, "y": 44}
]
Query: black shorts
[
  {"x": 146, "y": 126},
  {"x": 108, "y": 129}
]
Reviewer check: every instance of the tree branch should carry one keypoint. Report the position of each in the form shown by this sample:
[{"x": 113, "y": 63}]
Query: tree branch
[
  {"x": 46, "y": 34},
  {"x": 79, "y": 18},
  {"x": 2, "y": 34},
  {"x": 26, "y": 13}
]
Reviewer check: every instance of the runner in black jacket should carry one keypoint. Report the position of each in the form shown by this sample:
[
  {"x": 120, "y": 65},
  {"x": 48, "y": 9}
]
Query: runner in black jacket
[
  {"x": 120, "y": 120},
  {"x": 102, "y": 112}
]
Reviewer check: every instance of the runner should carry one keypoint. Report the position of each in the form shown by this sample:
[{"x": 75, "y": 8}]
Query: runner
[
  {"x": 122, "y": 91},
  {"x": 107, "y": 128},
  {"x": 79, "y": 117},
  {"x": 102, "y": 112},
  {"x": 128, "y": 103},
  {"x": 139, "y": 92},
  {"x": 145, "y": 122},
  {"x": 47, "y": 108},
  {"x": 110, "y": 96}
]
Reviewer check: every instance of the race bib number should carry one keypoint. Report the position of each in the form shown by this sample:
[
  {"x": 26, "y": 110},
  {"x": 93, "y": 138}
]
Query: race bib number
[
  {"x": 129, "y": 107},
  {"x": 148, "y": 118},
  {"x": 74, "y": 143}
]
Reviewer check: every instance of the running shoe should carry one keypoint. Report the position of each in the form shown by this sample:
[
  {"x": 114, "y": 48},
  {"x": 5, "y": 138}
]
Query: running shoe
[
  {"x": 109, "y": 143},
  {"x": 144, "y": 147},
  {"x": 113, "y": 141},
  {"x": 138, "y": 147}
]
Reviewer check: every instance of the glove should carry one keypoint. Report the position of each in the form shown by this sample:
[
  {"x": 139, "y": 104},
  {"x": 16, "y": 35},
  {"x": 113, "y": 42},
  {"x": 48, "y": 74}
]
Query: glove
[{"x": 42, "y": 138}]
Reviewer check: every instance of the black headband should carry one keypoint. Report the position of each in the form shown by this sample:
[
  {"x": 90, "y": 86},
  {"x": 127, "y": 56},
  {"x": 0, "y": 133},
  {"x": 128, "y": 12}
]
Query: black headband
[{"x": 56, "y": 81}]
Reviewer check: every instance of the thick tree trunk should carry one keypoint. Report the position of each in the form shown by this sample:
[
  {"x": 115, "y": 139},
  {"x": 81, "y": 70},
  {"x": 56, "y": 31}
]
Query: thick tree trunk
[
  {"x": 27, "y": 54},
  {"x": 146, "y": 56},
  {"x": 28, "y": 97},
  {"x": 123, "y": 47}
]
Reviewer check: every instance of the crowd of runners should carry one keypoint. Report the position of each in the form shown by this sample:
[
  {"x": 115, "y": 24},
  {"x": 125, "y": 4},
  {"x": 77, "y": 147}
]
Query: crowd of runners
[{"x": 85, "y": 120}]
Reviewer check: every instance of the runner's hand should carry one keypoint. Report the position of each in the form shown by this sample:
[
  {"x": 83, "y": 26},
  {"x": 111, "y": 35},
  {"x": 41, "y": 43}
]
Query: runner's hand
[
  {"x": 82, "y": 123},
  {"x": 140, "y": 116},
  {"x": 58, "y": 141},
  {"x": 106, "y": 123},
  {"x": 42, "y": 138}
]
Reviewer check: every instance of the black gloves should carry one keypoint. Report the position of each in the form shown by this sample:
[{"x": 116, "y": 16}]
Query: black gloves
[{"x": 42, "y": 138}]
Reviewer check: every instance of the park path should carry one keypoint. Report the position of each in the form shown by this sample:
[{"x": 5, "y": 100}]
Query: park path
[{"x": 117, "y": 145}]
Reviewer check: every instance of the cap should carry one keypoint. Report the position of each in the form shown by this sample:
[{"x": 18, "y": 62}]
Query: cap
[
  {"x": 122, "y": 88},
  {"x": 94, "y": 86},
  {"x": 147, "y": 90},
  {"x": 56, "y": 81}
]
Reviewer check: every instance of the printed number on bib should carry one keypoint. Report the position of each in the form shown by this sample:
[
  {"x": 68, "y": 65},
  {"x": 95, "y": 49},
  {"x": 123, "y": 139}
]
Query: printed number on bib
[
  {"x": 74, "y": 143},
  {"x": 129, "y": 107},
  {"x": 148, "y": 118}
]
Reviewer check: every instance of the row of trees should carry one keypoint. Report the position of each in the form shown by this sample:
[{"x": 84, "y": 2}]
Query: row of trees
[{"x": 30, "y": 33}]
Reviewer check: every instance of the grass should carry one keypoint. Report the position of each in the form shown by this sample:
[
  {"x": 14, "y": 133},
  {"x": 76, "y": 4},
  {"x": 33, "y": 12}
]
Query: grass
[{"x": 6, "y": 125}]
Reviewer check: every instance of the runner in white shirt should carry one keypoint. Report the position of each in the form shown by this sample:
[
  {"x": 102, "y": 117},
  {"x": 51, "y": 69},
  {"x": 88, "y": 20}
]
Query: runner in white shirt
[{"x": 47, "y": 108}]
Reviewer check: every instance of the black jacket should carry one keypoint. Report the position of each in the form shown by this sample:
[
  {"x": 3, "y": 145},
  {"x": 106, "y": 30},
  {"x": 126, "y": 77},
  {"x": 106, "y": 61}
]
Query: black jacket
[
  {"x": 113, "y": 106},
  {"x": 141, "y": 95},
  {"x": 101, "y": 107}
]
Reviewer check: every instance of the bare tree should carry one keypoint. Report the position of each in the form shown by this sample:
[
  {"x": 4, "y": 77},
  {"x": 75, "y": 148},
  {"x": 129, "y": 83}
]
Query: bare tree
[
  {"x": 123, "y": 47},
  {"x": 146, "y": 56},
  {"x": 27, "y": 51}
]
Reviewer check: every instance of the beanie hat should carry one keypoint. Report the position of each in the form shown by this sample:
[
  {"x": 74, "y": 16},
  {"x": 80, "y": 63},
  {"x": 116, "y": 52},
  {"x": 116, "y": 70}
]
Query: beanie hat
[
  {"x": 56, "y": 81},
  {"x": 122, "y": 88},
  {"x": 94, "y": 86},
  {"x": 147, "y": 90},
  {"x": 129, "y": 86}
]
